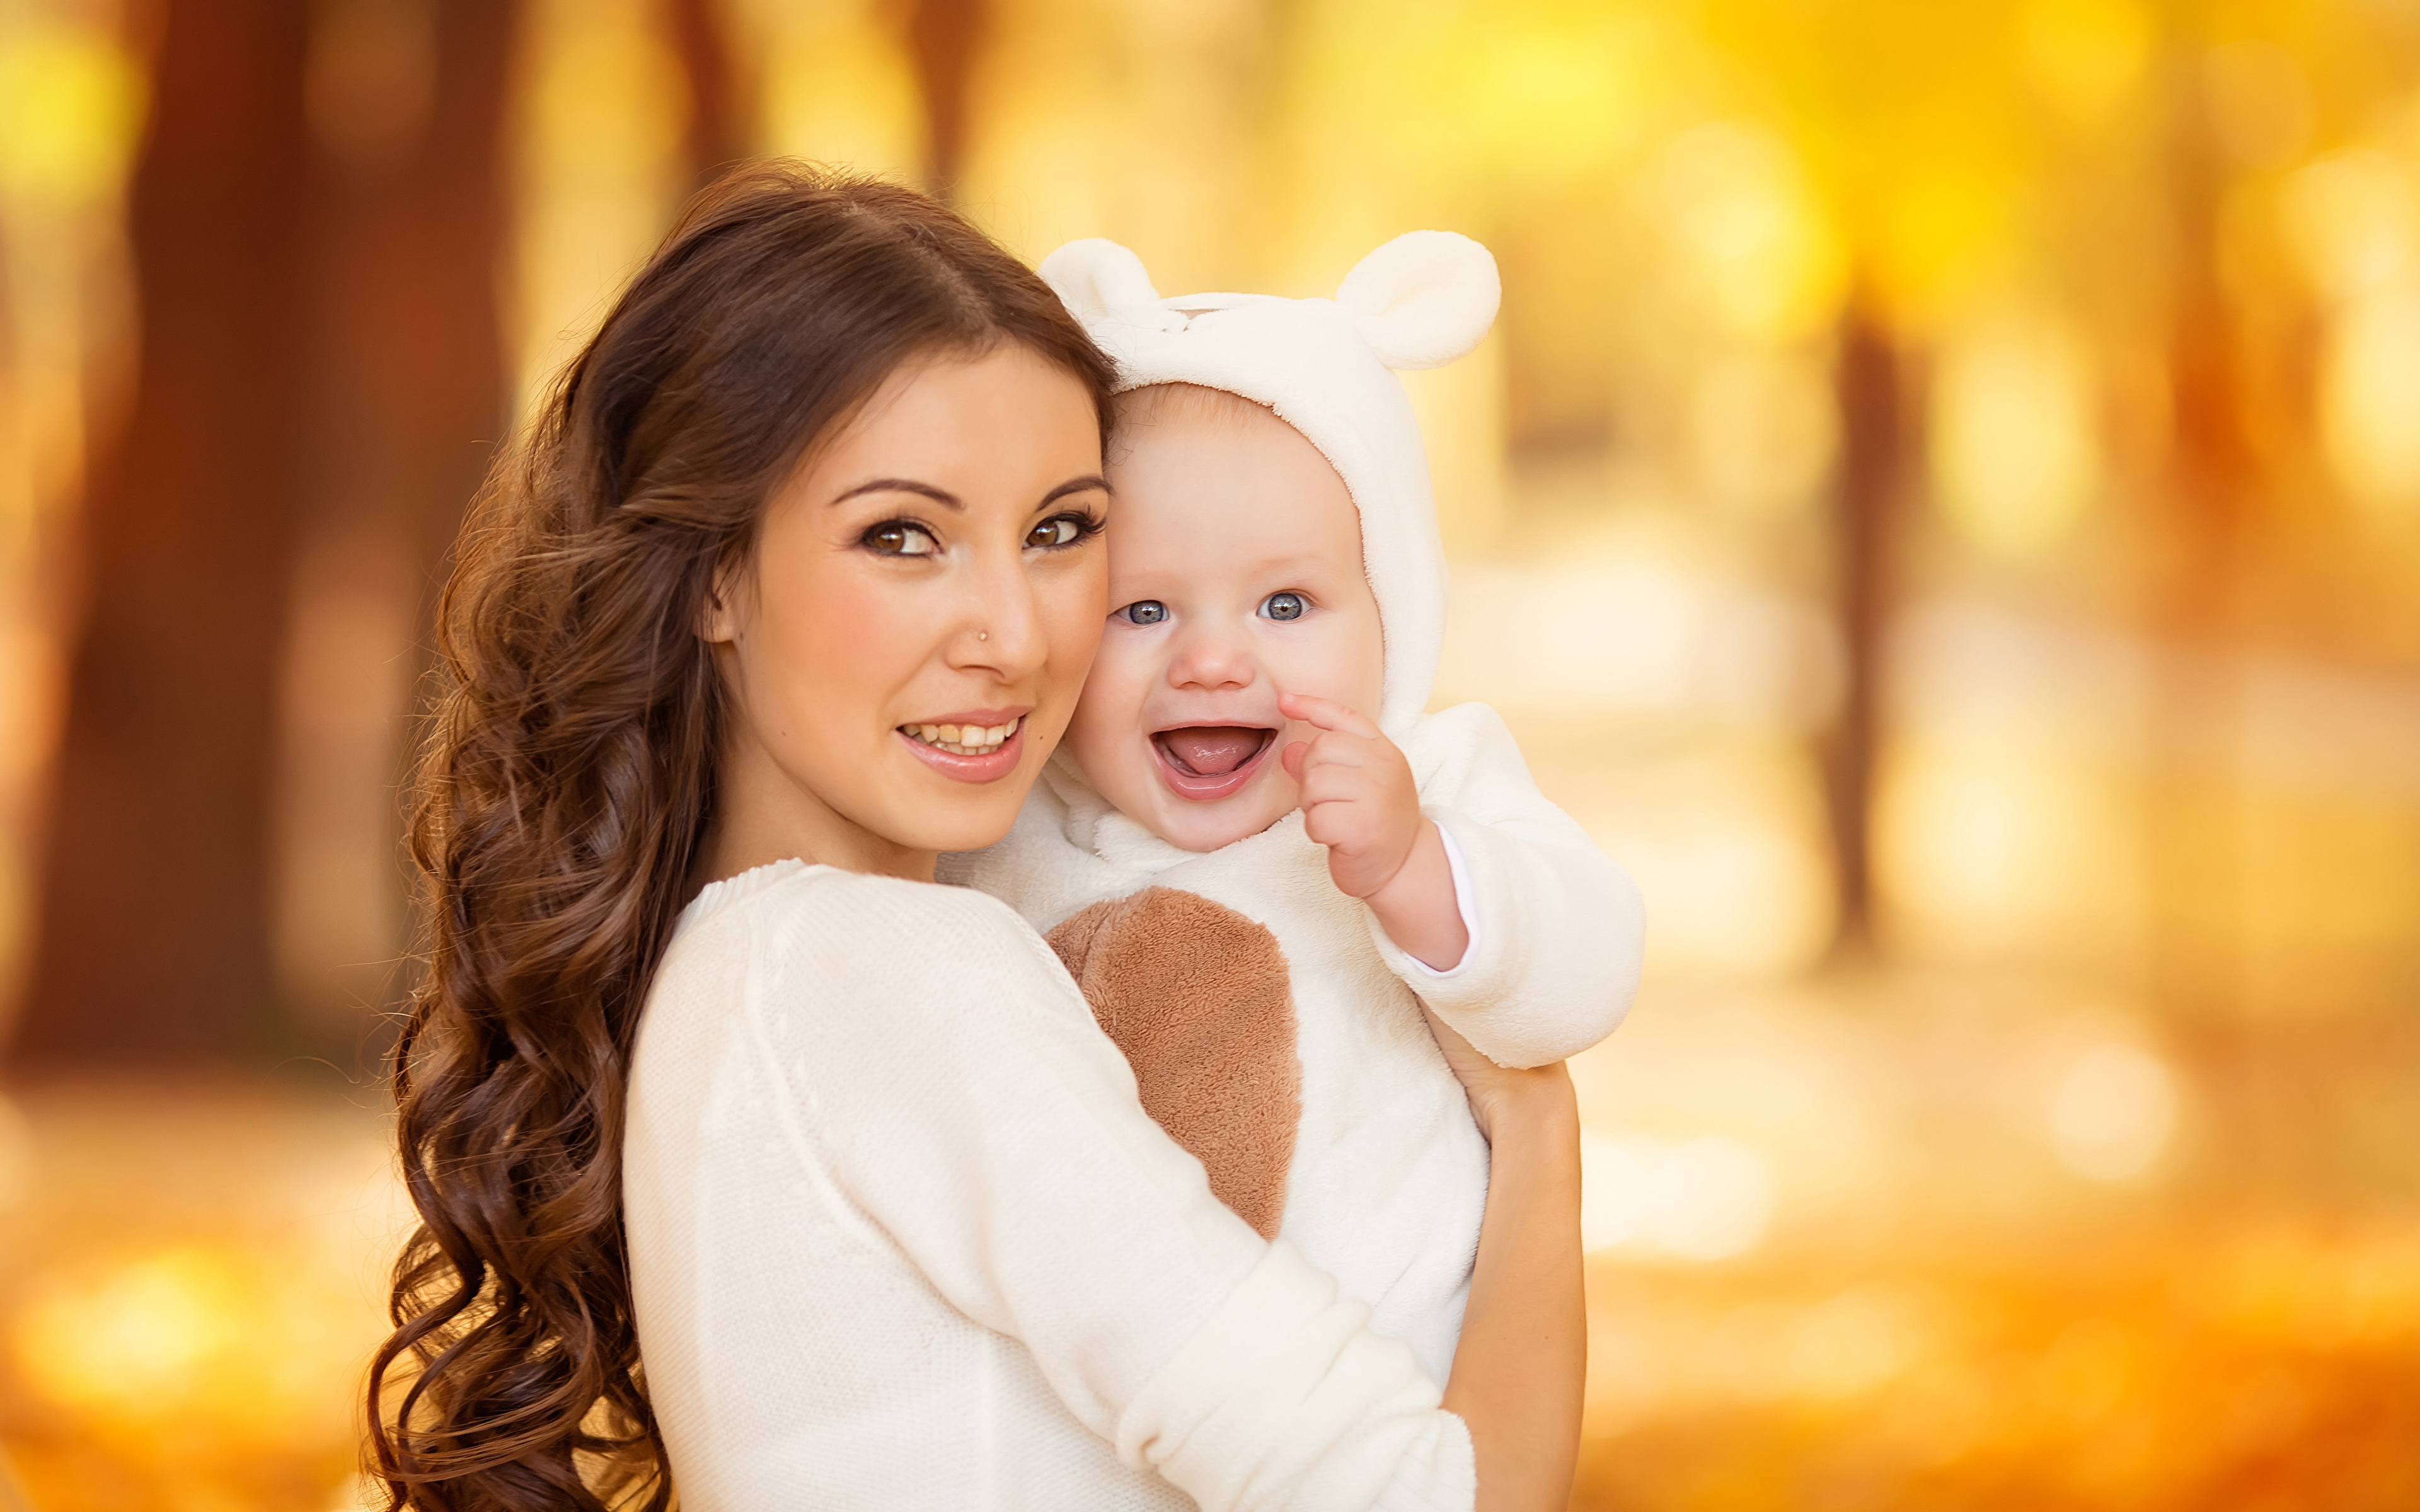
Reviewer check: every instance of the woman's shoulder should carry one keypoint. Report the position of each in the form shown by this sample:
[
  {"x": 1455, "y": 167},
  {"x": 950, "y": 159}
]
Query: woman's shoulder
[
  {"x": 903, "y": 930},
  {"x": 791, "y": 894}
]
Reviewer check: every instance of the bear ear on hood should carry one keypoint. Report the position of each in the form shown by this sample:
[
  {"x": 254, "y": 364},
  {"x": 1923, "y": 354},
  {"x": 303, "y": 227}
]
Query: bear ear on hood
[
  {"x": 1096, "y": 275},
  {"x": 1420, "y": 300}
]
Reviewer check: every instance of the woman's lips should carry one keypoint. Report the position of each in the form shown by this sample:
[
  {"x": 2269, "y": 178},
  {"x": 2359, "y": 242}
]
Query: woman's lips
[
  {"x": 977, "y": 758},
  {"x": 1206, "y": 763}
]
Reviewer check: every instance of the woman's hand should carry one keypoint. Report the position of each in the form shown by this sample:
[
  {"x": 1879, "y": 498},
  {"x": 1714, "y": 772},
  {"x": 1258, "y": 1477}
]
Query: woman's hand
[
  {"x": 1522, "y": 1364},
  {"x": 1539, "y": 1094}
]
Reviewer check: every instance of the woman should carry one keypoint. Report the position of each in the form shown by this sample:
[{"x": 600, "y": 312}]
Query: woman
[{"x": 794, "y": 588}]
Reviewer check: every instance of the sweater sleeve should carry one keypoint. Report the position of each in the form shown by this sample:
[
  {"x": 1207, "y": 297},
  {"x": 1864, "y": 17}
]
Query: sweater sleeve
[
  {"x": 942, "y": 1081},
  {"x": 1556, "y": 926}
]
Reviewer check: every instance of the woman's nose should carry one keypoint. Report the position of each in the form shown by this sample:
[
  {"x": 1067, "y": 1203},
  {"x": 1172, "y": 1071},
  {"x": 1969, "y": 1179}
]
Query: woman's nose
[{"x": 1001, "y": 628}]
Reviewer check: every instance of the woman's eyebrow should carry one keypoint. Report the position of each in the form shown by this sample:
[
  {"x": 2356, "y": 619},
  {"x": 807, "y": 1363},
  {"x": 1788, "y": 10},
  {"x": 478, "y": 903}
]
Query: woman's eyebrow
[
  {"x": 1083, "y": 484},
  {"x": 938, "y": 496}
]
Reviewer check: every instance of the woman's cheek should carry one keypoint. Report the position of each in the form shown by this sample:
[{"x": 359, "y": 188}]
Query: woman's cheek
[
  {"x": 870, "y": 625},
  {"x": 1077, "y": 609},
  {"x": 1074, "y": 605}
]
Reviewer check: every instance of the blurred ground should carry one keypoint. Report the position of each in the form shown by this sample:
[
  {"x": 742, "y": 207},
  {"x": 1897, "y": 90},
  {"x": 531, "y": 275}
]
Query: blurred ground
[
  {"x": 2018, "y": 1255},
  {"x": 189, "y": 1291},
  {"x": 1877, "y": 1241}
]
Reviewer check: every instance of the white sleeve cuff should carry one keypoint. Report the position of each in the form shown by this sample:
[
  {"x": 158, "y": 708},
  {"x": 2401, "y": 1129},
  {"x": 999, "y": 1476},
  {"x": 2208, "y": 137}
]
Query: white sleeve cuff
[
  {"x": 1284, "y": 1397},
  {"x": 1463, "y": 904}
]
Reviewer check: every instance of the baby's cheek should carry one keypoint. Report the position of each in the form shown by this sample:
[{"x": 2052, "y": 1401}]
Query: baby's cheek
[
  {"x": 1106, "y": 734},
  {"x": 1345, "y": 663}
]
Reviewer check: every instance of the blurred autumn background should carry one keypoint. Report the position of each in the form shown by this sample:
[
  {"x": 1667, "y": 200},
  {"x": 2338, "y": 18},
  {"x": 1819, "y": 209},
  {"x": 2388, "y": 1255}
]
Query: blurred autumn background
[{"x": 1942, "y": 503}]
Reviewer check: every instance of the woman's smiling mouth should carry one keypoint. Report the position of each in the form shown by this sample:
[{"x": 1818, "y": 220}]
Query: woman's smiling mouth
[
  {"x": 971, "y": 747},
  {"x": 1206, "y": 763}
]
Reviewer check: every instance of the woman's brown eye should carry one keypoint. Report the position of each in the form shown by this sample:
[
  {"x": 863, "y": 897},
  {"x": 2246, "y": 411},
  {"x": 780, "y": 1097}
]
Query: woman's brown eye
[
  {"x": 1060, "y": 532},
  {"x": 898, "y": 538}
]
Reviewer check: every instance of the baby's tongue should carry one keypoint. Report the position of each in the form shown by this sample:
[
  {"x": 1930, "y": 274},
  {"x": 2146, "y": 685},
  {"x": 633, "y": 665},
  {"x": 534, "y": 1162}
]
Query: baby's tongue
[{"x": 1212, "y": 749}]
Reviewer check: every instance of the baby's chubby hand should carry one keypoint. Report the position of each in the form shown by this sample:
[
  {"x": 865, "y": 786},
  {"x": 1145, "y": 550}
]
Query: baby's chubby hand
[
  {"x": 1359, "y": 799},
  {"x": 1357, "y": 795}
]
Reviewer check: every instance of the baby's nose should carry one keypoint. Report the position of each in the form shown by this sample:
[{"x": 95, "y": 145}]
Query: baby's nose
[{"x": 1210, "y": 657}]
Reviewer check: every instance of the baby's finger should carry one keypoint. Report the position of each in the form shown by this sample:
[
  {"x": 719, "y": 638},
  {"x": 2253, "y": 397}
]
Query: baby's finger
[
  {"x": 1326, "y": 713},
  {"x": 1333, "y": 784},
  {"x": 1292, "y": 757},
  {"x": 1329, "y": 748}
]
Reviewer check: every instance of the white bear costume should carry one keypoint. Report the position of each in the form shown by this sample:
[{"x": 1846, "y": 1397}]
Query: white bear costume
[{"x": 1387, "y": 1179}]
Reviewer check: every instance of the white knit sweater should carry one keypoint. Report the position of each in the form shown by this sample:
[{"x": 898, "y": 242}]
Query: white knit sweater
[{"x": 902, "y": 1236}]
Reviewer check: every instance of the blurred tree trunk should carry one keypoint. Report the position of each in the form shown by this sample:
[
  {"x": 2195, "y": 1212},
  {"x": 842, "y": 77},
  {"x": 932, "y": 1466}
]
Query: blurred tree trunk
[
  {"x": 410, "y": 285},
  {"x": 2195, "y": 863},
  {"x": 152, "y": 944},
  {"x": 721, "y": 97},
  {"x": 2259, "y": 1125},
  {"x": 1869, "y": 384},
  {"x": 320, "y": 386},
  {"x": 945, "y": 39},
  {"x": 410, "y": 398}
]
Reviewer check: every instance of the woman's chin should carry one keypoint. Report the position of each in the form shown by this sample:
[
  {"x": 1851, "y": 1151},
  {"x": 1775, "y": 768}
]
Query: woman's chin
[{"x": 933, "y": 811}]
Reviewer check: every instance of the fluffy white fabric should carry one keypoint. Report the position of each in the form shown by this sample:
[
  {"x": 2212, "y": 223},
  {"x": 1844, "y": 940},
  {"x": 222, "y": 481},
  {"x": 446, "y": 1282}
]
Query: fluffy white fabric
[
  {"x": 1390, "y": 1176},
  {"x": 1420, "y": 300},
  {"x": 901, "y": 1236}
]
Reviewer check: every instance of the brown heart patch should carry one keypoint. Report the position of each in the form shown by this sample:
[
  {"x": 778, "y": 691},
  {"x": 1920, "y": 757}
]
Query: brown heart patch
[{"x": 1198, "y": 998}]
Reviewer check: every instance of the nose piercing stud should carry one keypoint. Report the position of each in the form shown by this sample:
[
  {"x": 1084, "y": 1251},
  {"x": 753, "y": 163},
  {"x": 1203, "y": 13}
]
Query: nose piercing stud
[{"x": 982, "y": 635}]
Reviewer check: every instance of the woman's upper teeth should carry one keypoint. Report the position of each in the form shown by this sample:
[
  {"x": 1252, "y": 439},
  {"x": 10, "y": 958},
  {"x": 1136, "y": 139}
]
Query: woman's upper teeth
[{"x": 965, "y": 739}]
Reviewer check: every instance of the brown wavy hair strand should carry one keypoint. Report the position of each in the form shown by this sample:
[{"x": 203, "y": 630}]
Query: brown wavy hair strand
[{"x": 566, "y": 784}]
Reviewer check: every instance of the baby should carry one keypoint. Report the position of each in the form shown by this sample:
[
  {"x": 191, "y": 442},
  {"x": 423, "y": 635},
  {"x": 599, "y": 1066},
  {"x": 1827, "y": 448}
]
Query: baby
[{"x": 1257, "y": 854}]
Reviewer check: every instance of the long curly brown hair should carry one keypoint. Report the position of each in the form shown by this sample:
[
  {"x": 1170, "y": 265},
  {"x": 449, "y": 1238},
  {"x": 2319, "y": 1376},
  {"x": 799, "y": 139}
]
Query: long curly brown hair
[{"x": 568, "y": 779}]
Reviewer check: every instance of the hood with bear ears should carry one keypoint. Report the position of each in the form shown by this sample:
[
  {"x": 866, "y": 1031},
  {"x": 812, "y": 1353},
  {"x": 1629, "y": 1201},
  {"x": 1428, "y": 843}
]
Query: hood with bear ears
[{"x": 1323, "y": 366}]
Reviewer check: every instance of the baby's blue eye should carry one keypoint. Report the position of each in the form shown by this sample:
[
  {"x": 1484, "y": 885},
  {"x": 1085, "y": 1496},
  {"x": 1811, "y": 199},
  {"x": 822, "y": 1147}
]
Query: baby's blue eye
[
  {"x": 1284, "y": 606},
  {"x": 1144, "y": 611}
]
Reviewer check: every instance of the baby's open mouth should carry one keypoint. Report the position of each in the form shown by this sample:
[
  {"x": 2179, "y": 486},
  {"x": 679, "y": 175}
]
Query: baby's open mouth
[{"x": 1211, "y": 760}]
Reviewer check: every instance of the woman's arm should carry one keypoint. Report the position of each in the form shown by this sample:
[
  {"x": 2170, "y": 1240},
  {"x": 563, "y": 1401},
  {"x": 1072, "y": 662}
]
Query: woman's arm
[
  {"x": 948, "y": 1092},
  {"x": 1522, "y": 1365}
]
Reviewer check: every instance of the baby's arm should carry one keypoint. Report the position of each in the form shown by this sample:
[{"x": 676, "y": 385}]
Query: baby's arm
[
  {"x": 1359, "y": 800},
  {"x": 1556, "y": 926}
]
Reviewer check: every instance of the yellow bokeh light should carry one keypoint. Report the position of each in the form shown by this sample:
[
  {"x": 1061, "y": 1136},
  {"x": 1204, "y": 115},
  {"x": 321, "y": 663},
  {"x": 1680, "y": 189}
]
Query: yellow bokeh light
[
  {"x": 2369, "y": 400},
  {"x": 2354, "y": 219},
  {"x": 2084, "y": 55},
  {"x": 603, "y": 114},
  {"x": 1991, "y": 849},
  {"x": 838, "y": 88},
  {"x": 1701, "y": 1199},
  {"x": 2111, "y": 1111},
  {"x": 142, "y": 1342},
  {"x": 2016, "y": 449},
  {"x": 70, "y": 106},
  {"x": 1747, "y": 226}
]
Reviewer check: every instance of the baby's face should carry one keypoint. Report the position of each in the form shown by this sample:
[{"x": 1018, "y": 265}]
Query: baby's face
[{"x": 1234, "y": 575}]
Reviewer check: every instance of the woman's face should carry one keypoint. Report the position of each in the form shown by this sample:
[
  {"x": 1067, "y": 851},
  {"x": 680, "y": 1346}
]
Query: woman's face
[{"x": 905, "y": 648}]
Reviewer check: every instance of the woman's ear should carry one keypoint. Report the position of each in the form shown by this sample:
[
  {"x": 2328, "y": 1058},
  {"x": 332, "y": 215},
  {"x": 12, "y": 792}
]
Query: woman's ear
[
  {"x": 718, "y": 620},
  {"x": 1423, "y": 299},
  {"x": 1096, "y": 275}
]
